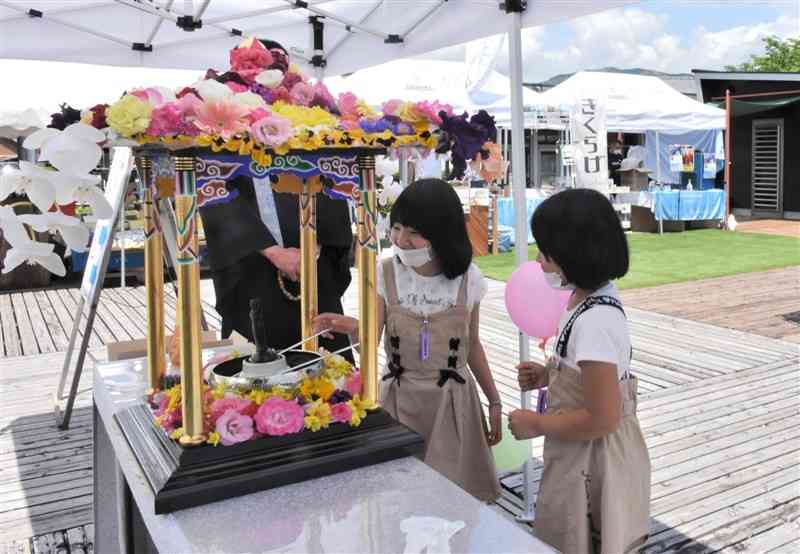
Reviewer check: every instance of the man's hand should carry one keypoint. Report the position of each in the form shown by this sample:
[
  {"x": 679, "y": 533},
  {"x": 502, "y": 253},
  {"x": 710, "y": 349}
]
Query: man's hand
[{"x": 286, "y": 260}]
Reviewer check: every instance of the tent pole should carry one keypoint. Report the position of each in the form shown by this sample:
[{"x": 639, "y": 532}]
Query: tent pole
[
  {"x": 520, "y": 215},
  {"x": 728, "y": 160},
  {"x": 658, "y": 158}
]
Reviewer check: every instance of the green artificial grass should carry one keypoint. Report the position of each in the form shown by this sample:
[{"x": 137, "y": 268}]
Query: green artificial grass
[{"x": 679, "y": 257}]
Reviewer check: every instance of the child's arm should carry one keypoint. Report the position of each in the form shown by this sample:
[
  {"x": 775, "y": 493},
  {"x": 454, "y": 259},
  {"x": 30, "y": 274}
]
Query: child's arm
[
  {"x": 346, "y": 325},
  {"x": 599, "y": 418},
  {"x": 479, "y": 366}
]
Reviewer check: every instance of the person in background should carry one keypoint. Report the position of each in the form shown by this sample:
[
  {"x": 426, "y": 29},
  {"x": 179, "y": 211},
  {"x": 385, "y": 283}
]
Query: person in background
[{"x": 615, "y": 157}]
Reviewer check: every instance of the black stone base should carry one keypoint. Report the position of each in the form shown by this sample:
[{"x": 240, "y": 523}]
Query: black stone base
[{"x": 185, "y": 477}]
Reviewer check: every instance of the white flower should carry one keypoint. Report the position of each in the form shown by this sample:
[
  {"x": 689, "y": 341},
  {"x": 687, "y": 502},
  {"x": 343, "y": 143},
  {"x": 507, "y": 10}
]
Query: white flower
[
  {"x": 37, "y": 187},
  {"x": 386, "y": 167},
  {"x": 73, "y": 151},
  {"x": 393, "y": 192},
  {"x": 74, "y": 233},
  {"x": 270, "y": 78},
  {"x": 84, "y": 191},
  {"x": 23, "y": 249},
  {"x": 209, "y": 89},
  {"x": 249, "y": 99}
]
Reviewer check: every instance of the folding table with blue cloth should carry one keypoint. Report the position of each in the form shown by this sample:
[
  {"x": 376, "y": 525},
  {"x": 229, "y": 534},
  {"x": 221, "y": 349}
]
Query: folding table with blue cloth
[{"x": 505, "y": 217}]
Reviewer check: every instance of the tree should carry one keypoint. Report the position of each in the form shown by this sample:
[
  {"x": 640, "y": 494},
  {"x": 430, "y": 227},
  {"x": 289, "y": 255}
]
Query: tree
[{"x": 779, "y": 56}]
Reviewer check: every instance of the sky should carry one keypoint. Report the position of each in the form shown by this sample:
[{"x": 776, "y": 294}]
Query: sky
[{"x": 666, "y": 35}]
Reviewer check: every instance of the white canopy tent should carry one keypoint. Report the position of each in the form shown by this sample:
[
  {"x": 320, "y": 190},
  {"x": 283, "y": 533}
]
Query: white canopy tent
[
  {"x": 637, "y": 103},
  {"x": 333, "y": 36},
  {"x": 445, "y": 81}
]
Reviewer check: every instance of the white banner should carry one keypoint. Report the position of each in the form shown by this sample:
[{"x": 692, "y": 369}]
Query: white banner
[{"x": 588, "y": 124}]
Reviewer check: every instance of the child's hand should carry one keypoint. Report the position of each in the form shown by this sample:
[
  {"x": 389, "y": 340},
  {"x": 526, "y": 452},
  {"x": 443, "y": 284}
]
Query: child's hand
[
  {"x": 524, "y": 424},
  {"x": 495, "y": 434},
  {"x": 337, "y": 323},
  {"x": 532, "y": 375}
]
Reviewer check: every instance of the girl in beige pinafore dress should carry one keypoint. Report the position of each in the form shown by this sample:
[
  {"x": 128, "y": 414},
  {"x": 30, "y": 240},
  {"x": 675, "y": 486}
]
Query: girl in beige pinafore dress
[
  {"x": 437, "y": 396},
  {"x": 594, "y": 494}
]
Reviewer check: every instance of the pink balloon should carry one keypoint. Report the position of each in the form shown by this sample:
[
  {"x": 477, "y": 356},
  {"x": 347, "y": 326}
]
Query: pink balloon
[{"x": 534, "y": 306}]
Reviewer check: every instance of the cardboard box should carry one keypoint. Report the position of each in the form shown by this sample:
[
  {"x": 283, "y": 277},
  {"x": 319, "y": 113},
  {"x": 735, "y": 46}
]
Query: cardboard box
[{"x": 636, "y": 179}]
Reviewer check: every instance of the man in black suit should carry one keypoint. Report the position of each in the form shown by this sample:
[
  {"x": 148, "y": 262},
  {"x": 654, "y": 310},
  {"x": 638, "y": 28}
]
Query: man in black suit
[{"x": 252, "y": 238}]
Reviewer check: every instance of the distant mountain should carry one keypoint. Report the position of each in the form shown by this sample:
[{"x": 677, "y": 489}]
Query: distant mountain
[{"x": 682, "y": 82}]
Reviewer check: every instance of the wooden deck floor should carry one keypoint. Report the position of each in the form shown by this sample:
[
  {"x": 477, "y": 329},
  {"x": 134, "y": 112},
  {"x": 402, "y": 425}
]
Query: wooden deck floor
[
  {"x": 719, "y": 409},
  {"x": 765, "y": 303}
]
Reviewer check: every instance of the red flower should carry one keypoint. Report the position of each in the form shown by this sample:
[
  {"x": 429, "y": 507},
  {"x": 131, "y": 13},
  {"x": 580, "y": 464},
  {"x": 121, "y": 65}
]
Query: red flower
[{"x": 99, "y": 116}]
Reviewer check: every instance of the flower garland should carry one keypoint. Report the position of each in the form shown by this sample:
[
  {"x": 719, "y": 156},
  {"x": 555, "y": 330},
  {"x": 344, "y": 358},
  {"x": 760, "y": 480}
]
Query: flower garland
[{"x": 234, "y": 416}]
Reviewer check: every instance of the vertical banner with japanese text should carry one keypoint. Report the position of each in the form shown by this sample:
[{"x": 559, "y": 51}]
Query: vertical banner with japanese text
[{"x": 588, "y": 122}]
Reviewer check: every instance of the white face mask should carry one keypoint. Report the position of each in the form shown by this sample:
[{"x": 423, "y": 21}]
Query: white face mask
[
  {"x": 554, "y": 280},
  {"x": 415, "y": 257}
]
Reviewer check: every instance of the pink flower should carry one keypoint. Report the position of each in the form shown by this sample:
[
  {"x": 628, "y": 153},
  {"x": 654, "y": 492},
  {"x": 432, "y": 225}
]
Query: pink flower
[
  {"x": 166, "y": 120},
  {"x": 155, "y": 96},
  {"x": 348, "y": 105},
  {"x": 279, "y": 417},
  {"x": 257, "y": 114},
  {"x": 323, "y": 97},
  {"x": 302, "y": 94},
  {"x": 218, "y": 117},
  {"x": 431, "y": 110},
  {"x": 250, "y": 60},
  {"x": 341, "y": 413},
  {"x": 281, "y": 94},
  {"x": 241, "y": 405},
  {"x": 234, "y": 427},
  {"x": 291, "y": 79},
  {"x": 172, "y": 420},
  {"x": 236, "y": 87},
  {"x": 272, "y": 130},
  {"x": 391, "y": 106},
  {"x": 353, "y": 384},
  {"x": 162, "y": 401}
]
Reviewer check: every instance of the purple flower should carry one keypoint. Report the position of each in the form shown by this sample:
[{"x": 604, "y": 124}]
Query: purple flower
[
  {"x": 375, "y": 125},
  {"x": 465, "y": 138},
  {"x": 66, "y": 117},
  {"x": 262, "y": 91},
  {"x": 485, "y": 122},
  {"x": 234, "y": 427},
  {"x": 340, "y": 396}
]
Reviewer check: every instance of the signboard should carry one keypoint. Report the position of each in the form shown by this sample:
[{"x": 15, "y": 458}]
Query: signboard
[
  {"x": 709, "y": 165},
  {"x": 590, "y": 143},
  {"x": 681, "y": 158},
  {"x": 102, "y": 239}
]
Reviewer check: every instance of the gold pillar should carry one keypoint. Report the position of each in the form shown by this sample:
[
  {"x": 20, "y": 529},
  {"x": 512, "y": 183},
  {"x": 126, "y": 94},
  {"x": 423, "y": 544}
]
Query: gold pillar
[
  {"x": 309, "y": 297},
  {"x": 367, "y": 250},
  {"x": 188, "y": 308},
  {"x": 153, "y": 274}
]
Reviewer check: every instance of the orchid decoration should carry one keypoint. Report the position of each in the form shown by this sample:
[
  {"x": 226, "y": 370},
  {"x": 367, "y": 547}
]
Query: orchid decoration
[
  {"x": 24, "y": 249},
  {"x": 71, "y": 229}
]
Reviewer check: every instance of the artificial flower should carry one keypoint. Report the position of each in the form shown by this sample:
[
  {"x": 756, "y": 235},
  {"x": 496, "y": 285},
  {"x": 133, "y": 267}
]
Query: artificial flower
[
  {"x": 339, "y": 397},
  {"x": 353, "y": 385},
  {"x": 291, "y": 78},
  {"x": 36, "y": 186},
  {"x": 23, "y": 249},
  {"x": 249, "y": 100},
  {"x": 258, "y": 396},
  {"x": 236, "y": 87},
  {"x": 341, "y": 413},
  {"x": 176, "y": 433},
  {"x": 278, "y": 417},
  {"x": 391, "y": 106},
  {"x": 365, "y": 110},
  {"x": 337, "y": 366},
  {"x": 408, "y": 112},
  {"x": 348, "y": 105},
  {"x": 272, "y": 130},
  {"x": 430, "y": 110},
  {"x": 235, "y": 403},
  {"x": 218, "y": 117},
  {"x": 250, "y": 58},
  {"x": 95, "y": 116},
  {"x": 323, "y": 98},
  {"x": 66, "y": 117},
  {"x": 155, "y": 96},
  {"x": 316, "y": 388},
  {"x": 166, "y": 119},
  {"x": 270, "y": 78},
  {"x": 234, "y": 427},
  {"x": 358, "y": 409},
  {"x": 302, "y": 116},
  {"x": 209, "y": 89},
  {"x": 73, "y": 151},
  {"x": 302, "y": 94},
  {"x": 318, "y": 416},
  {"x": 71, "y": 229},
  {"x": 129, "y": 116},
  {"x": 375, "y": 125},
  {"x": 213, "y": 438}
]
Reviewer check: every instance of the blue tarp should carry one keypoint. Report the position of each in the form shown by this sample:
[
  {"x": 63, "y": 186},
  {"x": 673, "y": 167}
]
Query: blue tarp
[
  {"x": 689, "y": 205},
  {"x": 505, "y": 215},
  {"x": 705, "y": 141}
]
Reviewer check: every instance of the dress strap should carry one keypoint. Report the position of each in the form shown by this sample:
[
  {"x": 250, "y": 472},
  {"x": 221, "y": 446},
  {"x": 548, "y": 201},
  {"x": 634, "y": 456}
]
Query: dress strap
[
  {"x": 588, "y": 304},
  {"x": 390, "y": 282},
  {"x": 461, "y": 299}
]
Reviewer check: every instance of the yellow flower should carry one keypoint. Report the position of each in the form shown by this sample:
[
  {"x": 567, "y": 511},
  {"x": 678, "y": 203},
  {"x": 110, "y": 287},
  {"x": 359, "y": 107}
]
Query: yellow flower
[
  {"x": 219, "y": 391},
  {"x": 302, "y": 116},
  {"x": 177, "y": 433},
  {"x": 365, "y": 110},
  {"x": 174, "y": 395},
  {"x": 258, "y": 396},
  {"x": 213, "y": 438},
  {"x": 318, "y": 416},
  {"x": 359, "y": 408},
  {"x": 337, "y": 366},
  {"x": 409, "y": 113},
  {"x": 129, "y": 116},
  {"x": 319, "y": 387}
]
